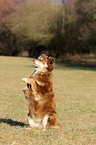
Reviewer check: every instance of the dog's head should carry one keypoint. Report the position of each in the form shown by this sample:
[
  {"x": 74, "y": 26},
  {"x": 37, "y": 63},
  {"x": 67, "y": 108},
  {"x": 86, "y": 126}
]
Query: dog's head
[{"x": 44, "y": 63}]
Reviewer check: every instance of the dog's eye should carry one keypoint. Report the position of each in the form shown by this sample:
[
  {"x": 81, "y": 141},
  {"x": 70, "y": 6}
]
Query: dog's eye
[
  {"x": 51, "y": 62},
  {"x": 42, "y": 59}
]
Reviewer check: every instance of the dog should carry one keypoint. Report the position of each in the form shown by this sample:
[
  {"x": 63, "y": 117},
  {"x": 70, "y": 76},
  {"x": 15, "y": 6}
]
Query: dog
[{"x": 40, "y": 95}]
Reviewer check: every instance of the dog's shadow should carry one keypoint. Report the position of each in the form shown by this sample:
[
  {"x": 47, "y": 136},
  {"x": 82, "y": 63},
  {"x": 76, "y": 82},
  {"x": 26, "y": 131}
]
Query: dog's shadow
[{"x": 12, "y": 122}]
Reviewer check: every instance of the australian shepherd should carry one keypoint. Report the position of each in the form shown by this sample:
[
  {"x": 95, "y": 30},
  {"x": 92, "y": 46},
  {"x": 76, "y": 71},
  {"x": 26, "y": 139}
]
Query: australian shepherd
[{"x": 38, "y": 91}]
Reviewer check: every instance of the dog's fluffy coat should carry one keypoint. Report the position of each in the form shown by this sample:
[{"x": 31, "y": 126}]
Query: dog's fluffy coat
[{"x": 40, "y": 95}]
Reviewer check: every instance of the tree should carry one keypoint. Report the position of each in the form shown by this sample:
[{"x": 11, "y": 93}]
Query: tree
[
  {"x": 80, "y": 27},
  {"x": 34, "y": 20},
  {"x": 6, "y": 7},
  {"x": 88, "y": 29},
  {"x": 9, "y": 43}
]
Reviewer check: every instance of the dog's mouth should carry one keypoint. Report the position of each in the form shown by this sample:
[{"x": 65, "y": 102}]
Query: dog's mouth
[{"x": 36, "y": 66}]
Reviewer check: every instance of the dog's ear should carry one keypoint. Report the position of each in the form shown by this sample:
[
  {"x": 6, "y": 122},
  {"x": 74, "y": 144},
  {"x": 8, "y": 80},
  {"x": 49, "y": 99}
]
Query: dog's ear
[
  {"x": 50, "y": 63},
  {"x": 51, "y": 60}
]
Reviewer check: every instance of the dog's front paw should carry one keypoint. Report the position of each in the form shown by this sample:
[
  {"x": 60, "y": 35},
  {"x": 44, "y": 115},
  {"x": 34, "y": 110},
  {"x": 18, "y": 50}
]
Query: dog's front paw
[
  {"x": 24, "y": 79},
  {"x": 24, "y": 89}
]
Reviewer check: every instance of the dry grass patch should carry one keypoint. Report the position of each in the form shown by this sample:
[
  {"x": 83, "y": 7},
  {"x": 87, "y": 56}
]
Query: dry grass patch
[{"x": 75, "y": 94}]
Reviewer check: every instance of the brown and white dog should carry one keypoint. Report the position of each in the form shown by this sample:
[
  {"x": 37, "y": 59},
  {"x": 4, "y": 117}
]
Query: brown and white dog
[{"x": 40, "y": 95}]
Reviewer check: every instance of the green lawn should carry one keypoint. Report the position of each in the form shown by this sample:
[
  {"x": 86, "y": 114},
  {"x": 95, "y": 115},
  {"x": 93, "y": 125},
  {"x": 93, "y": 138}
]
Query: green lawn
[{"x": 75, "y": 95}]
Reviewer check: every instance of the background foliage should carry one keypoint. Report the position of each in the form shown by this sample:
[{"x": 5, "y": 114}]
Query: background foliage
[{"x": 58, "y": 27}]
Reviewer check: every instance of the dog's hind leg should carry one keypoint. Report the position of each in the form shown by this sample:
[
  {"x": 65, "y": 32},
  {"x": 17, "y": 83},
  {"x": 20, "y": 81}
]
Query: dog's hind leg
[
  {"x": 45, "y": 121},
  {"x": 52, "y": 121}
]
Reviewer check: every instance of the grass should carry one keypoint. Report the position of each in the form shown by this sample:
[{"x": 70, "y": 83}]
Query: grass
[{"x": 75, "y": 95}]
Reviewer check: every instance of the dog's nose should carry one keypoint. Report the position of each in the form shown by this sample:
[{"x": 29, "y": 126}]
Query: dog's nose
[{"x": 33, "y": 60}]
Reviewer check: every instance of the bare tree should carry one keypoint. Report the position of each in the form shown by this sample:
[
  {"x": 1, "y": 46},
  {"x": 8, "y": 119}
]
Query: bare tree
[{"x": 63, "y": 15}]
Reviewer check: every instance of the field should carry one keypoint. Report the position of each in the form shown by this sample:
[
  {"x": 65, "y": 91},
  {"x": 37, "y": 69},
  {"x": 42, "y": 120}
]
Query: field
[{"x": 75, "y": 95}]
